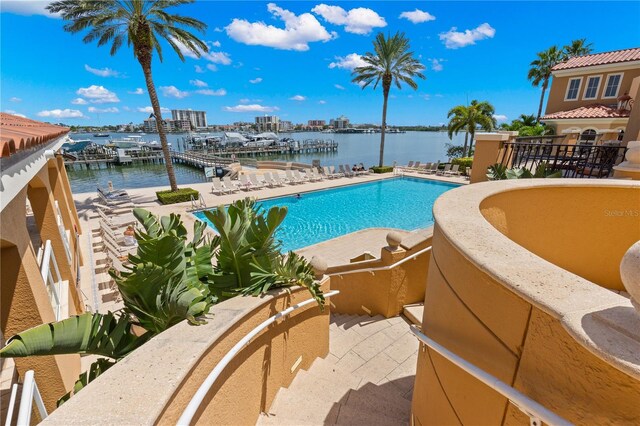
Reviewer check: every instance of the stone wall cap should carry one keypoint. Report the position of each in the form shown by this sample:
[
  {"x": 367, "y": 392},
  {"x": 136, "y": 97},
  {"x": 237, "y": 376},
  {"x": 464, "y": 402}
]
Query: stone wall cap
[{"x": 482, "y": 137}]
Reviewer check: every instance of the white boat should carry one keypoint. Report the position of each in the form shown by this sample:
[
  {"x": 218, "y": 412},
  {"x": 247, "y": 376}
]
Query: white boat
[
  {"x": 133, "y": 142},
  {"x": 233, "y": 139},
  {"x": 263, "y": 139}
]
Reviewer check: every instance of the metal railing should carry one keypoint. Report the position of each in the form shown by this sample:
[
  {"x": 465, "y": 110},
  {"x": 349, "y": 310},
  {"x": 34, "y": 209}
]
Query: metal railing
[
  {"x": 63, "y": 232},
  {"x": 52, "y": 283},
  {"x": 573, "y": 160},
  {"x": 384, "y": 268},
  {"x": 536, "y": 412},
  {"x": 201, "y": 393},
  {"x": 30, "y": 393},
  {"x": 199, "y": 203}
]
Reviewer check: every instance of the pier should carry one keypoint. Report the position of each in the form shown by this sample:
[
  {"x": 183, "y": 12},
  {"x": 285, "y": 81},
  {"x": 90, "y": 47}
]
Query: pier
[{"x": 101, "y": 159}]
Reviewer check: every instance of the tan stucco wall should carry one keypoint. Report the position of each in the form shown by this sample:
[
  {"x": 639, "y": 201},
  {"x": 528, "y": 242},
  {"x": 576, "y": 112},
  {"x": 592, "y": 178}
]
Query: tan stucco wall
[
  {"x": 583, "y": 230},
  {"x": 489, "y": 151},
  {"x": 559, "y": 339},
  {"x": 381, "y": 292},
  {"x": 558, "y": 90},
  {"x": 24, "y": 299}
]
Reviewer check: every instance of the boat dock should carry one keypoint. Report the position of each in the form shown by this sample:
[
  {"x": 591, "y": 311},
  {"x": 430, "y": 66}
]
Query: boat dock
[{"x": 101, "y": 159}]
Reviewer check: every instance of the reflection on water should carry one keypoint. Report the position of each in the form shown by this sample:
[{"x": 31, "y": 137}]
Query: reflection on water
[{"x": 353, "y": 148}]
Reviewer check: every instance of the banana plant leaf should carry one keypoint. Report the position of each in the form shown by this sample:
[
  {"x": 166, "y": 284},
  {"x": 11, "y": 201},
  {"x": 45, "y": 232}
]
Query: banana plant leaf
[
  {"x": 97, "y": 334},
  {"x": 95, "y": 369}
]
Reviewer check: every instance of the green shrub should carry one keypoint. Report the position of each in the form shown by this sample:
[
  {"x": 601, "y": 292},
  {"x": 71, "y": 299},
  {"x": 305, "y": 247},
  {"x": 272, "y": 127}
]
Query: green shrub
[
  {"x": 464, "y": 163},
  {"x": 383, "y": 169},
  {"x": 179, "y": 196}
]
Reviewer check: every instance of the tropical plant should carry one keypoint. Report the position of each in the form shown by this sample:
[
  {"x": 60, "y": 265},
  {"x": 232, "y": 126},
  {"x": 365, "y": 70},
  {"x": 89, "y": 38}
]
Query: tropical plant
[
  {"x": 456, "y": 151},
  {"x": 248, "y": 257},
  {"x": 524, "y": 120},
  {"x": 141, "y": 24},
  {"x": 501, "y": 172},
  {"x": 540, "y": 71},
  {"x": 578, "y": 47},
  {"x": 468, "y": 119},
  {"x": 390, "y": 62}
]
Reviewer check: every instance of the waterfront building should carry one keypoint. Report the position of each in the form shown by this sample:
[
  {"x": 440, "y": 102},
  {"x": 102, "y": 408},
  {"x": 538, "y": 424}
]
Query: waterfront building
[
  {"x": 341, "y": 122},
  {"x": 591, "y": 97},
  {"x": 316, "y": 124},
  {"x": 196, "y": 119},
  {"x": 40, "y": 237},
  {"x": 268, "y": 123},
  {"x": 286, "y": 126},
  {"x": 151, "y": 126}
]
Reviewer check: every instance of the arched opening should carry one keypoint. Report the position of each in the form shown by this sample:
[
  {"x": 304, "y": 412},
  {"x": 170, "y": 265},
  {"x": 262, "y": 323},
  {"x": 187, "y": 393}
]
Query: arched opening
[{"x": 588, "y": 136}]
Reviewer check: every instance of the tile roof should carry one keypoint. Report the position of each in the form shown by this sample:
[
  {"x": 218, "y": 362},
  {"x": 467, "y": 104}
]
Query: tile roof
[
  {"x": 616, "y": 56},
  {"x": 18, "y": 133},
  {"x": 588, "y": 111}
]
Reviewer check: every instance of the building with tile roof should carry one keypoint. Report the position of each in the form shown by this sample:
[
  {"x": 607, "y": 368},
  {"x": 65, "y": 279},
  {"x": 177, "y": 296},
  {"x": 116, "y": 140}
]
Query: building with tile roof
[{"x": 592, "y": 97}]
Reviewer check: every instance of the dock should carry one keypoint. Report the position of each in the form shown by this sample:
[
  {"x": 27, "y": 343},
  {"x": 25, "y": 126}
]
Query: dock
[{"x": 102, "y": 159}]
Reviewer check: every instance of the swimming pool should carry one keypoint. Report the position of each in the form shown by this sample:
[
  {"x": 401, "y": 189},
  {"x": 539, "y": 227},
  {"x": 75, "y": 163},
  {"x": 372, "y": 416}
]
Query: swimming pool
[{"x": 404, "y": 203}]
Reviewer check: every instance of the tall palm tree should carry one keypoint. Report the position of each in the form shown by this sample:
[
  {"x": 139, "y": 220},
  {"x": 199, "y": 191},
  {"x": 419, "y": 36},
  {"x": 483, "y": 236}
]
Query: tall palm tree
[
  {"x": 141, "y": 23},
  {"x": 390, "y": 62},
  {"x": 468, "y": 119},
  {"x": 524, "y": 120},
  {"x": 540, "y": 71},
  {"x": 578, "y": 47}
]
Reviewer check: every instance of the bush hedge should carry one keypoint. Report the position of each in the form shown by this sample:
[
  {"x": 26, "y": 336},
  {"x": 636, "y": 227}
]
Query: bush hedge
[
  {"x": 383, "y": 169},
  {"x": 463, "y": 162},
  {"x": 179, "y": 196}
]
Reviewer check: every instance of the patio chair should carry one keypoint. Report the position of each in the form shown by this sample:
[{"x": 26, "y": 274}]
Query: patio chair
[
  {"x": 244, "y": 183},
  {"x": 310, "y": 176},
  {"x": 345, "y": 171},
  {"x": 268, "y": 180},
  {"x": 447, "y": 168},
  {"x": 316, "y": 175},
  {"x": 229, "y": 184},
  {"x": 117, "y": 224},
  {"x": 453, "y": 171},
  {"x": 299, "y": 176},
  {"x": 408, "y": 166},
  {"x": 434, "y": 169},
  {"x": 468, "y": 173},
  {"x": 113, "y": 198},
  {"x": 328, "y": 173},
  {"x": 364, "y": 170},
  {"x": 415, "y": 167},
  {"x": 218, "y": 187},
  {"x": 113, "y": 210},
  {"x": 255, "y": 182},
  {"x": 291, "y": 178},
  {"x": 276, "y": 178},
  {"x": 424, "y": 168}
]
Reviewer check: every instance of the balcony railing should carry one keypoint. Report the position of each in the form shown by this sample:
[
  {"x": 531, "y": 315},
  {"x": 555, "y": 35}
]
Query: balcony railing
[
  {"x": 30, "y": 394},
  {"x": 63, "y": 232},
  {"x": 52, "y": 278},
  {"x": 573, "y": 160}
]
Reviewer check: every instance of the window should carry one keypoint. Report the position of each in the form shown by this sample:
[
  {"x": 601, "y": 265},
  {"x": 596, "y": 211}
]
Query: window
[
  {"x": 588, "y": 136},
  {"x": 573, "y": 88},
  {"x": 593, "y": 84},
  {"x": 613, "y": 86}
]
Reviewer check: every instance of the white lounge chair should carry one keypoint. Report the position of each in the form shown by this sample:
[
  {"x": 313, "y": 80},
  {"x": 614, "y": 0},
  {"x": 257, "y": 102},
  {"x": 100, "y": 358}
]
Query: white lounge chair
[
  {"x": 276, "y": 178},
  {"x": 299, "y": 176},
  {"x": 310, "y": 176},
  {"x": 229, "y": 184},
  {"x": 255, "y": 182},
  {"x": 434, "y": 169},
  {"x": 219, "y": 188},
  {"x": 447, "y": 168},
  {"x": 453, "y": 171},
  {"x": 112, "y": 198},
  {"x": 316, "y": 175},
  {"x": 345, "y": 171},
  {"x": 291, "y": 178},
  {"x": 332, "y": 169},
  {"x": 244, "y": 183},
  {"x": 121, "y": 222}
]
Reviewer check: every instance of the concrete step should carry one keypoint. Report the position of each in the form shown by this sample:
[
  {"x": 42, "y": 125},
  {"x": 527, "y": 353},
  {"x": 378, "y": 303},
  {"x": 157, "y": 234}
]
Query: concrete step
[
  {"x": 414, "y": 312},
  {"x": 382, "y": 399},
  {"x": 352, "y": 416}
]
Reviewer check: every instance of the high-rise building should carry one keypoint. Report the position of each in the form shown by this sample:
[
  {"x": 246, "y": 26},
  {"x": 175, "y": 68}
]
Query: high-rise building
[
  {"x": 268, "y": 123},
  {"x": 286, "y": 126},
  {"x": 196, "y": 119},
  {"x": 316, "y": 124},
  {"x": 341, "y": 122},
  {"x": 150, "y": 125}
]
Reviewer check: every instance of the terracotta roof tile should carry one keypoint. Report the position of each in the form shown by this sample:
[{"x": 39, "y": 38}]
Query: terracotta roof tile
[
  {"x": 588, "y": 111},
  {"x": 616, "y": 56},
  {"x": 18, "y": 133}
]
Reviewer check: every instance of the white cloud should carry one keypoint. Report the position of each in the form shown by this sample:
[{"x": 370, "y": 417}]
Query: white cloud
[
  {"x": 298, "y": 31},
  {"x": 322, "y": 102},
  {"x": 199, "y": 69},
  {"x": 98, "y": 94},
  {"x": 126, "y": 108},
  {"x": 348, "y": 62},
  {"x": 218, "y": 57},
  {"x": 211, "y": 92},
  {"x": 149, "y": 110},
  {"x": 339, "y": 87},
  {"x": 454, "y": 39},
  {"x": 357, "y": 21},
  {"x": 198, "y": 83},
  {"x": 79, "y": 101},
  {"x": 100, "y": 110},
  {"x": 215, "y": 43},
  {"x": 255, "y": 80},
  {"x": 104, "y": 72},
  {"x": 298, "y": 98},
  {"x": 418, "y": 16},
  {"x": 250, "y": 108},
  {"x": 426, "y": 97},
  {"x": 212, "y": 67},
  {"x": 500, "y": 117},
  {"x": 215, "y": 57},
  {"x": 61, "y": 113},
  {"x": 173, "y": 92},
  {"x": 28, "y": 8},
  {"x": 15, "y": 99},
  {"x": 436, "y": 64},
  {"x": 138, "y": 91},
  {"x": 247, "y": 100}
]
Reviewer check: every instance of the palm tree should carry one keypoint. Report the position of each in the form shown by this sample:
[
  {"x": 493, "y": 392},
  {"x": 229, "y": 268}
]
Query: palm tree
[
  {"x": 391, "y": 62},
  {"x": 540, "y": 71},
  {"x": 141, "y": 24},
  {"x": 469, "y": 118},
  {"x": 524, "y": 120},
  {"x": 578, "y": 47}
]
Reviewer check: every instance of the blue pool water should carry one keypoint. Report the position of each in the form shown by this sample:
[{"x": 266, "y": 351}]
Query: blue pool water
[{"x": 404, "y": 203}]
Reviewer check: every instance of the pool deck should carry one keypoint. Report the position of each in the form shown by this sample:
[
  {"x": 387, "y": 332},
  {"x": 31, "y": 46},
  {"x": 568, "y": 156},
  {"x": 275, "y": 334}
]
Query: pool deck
[{"x": 336, "y": 251}]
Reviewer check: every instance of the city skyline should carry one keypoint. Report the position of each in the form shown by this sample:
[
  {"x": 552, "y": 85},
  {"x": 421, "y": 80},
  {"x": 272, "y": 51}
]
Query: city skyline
[{"x": 293, "y": 60}]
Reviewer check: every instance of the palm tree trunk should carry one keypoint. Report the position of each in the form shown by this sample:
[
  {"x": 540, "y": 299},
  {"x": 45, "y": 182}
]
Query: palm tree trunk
[
  {"x": 385, "y": 92},
  {"x": 544, "y": 89},
  {"x": 153, "y": 96},
  {"x": 466, "y": 140}
]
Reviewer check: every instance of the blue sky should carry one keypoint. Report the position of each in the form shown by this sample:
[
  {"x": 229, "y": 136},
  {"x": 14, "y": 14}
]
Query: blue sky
[{"x": 293, "y": 59}]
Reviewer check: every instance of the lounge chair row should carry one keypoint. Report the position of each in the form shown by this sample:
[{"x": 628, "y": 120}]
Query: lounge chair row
[{"x": 433, "y": 168}]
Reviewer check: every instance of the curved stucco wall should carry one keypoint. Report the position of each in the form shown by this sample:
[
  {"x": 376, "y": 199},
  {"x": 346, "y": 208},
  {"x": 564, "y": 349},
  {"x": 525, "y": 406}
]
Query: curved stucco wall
[
  {"x": 585, "y": 230},
  {"x": 154, "y": 384},
  {"x": 566, "y": 342}
]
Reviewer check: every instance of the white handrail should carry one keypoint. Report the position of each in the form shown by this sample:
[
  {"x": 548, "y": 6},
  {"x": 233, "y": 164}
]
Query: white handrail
[
  {"x": 30, "y": 393},
  {"x": 196, "y": 400},
  {"x": 49, "y": 258},
  {"x": 536, "y": 412},
  {"x": 12, "y": 403},
  {"x": 63, "y": 232},
  {"x": 384, "y": 268}
]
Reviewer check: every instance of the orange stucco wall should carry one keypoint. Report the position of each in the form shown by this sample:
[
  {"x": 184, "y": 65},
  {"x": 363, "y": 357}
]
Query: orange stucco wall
[{"x": 583, "y": 230}]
